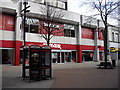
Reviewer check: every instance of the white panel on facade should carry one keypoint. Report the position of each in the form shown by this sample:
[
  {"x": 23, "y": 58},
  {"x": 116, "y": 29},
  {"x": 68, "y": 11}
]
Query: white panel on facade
[
  {"x": 112, "y": 44},
  {"x": 110, "y": 34},
  {"x": 73, "y": 41},
  {"x": 9, "y": 4},
  {"x": 34, "y": 37},
  {"x": 35, "y": 7},
  {"x": 72, "y": 16},
  {"x": 60, "y": 39},
  {"x": 67, "y": 40},
  {"x": 9, "y": 35},
  {"x": 87, "y": 42},
  {"x": 101, "y": 24},
  {"x": 41, "y": 39},
  {"x": 89, "y": 20},
  {"x": 100, "y": 42},
  {"x": 1, "y": 34},
  {"x": 53, "y": 39}
]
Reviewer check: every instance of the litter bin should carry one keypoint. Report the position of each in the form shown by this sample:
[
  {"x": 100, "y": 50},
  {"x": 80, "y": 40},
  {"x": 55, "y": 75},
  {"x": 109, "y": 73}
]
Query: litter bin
[{"x": 114, "y": 63}]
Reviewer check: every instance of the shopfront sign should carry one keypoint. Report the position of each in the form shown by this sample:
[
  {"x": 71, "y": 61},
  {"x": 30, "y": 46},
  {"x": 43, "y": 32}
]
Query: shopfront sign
[
  {"x": 54, "y": 45},
  {"x": 52, "y": 25},
  {"x": 113, "y": 49}
]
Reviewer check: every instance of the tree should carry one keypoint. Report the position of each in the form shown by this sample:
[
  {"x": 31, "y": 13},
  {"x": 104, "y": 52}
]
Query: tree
[
  {"x": 105, "y": 9},
  {"x": 51, "y": 16}
]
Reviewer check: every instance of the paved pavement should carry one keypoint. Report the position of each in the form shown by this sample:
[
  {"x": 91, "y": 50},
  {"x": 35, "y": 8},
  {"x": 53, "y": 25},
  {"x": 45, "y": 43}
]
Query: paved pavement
[
  {"x": 0, "y": 77},
  {"x": 69, "y": 75}
]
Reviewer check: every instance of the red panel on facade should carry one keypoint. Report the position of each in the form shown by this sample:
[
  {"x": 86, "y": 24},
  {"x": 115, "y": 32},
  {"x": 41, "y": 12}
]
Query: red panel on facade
[
  {"x": 17, "y": 52},
  {"x": 87, "y": 33},
  {"x": 7, "y": 22},
  {"x": 8, "y": 44},
  {"x": 101, "y": 48},
  {"x": 86, "y": 47},
  {"x": 11, "y": 44},
  {"x": 100, "y": 35},
  {"x": 18, "y": 44},
  {"x": 0, "y": 22},
  {"x": 56, "y": 45}
]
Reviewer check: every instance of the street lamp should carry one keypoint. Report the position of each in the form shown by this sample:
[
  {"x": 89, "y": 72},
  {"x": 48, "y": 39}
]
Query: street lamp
[
  {"x": 24, "y": 43},
  {"x": 24, "y": 19}
]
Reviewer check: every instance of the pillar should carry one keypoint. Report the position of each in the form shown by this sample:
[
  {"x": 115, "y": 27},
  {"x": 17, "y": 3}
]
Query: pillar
[
  {"x": 78, "y": 36},
  {"x": 18, "y": 41},
  {"x": 96, "y": 53}
]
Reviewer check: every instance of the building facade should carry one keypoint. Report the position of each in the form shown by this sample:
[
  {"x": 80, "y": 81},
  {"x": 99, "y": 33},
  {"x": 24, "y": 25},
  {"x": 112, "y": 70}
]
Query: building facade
[
  {"x": 79, "y": 40},
  {"x": 114, "y": 42}
]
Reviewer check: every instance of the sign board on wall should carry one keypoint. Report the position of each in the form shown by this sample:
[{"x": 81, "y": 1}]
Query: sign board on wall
[{"x": 57, "y": 29}]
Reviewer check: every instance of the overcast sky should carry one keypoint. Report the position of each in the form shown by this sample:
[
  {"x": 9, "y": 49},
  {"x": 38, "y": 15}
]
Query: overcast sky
[{"x": 74, "y": 6}]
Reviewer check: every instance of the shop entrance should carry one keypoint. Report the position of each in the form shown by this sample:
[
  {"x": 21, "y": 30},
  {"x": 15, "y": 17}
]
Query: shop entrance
[
  {"x": 118, "y": 54},
  {"x": 7, "y": 56},
  {"x": 87, "y": 56},
  {"x": 63, "y": 57}
]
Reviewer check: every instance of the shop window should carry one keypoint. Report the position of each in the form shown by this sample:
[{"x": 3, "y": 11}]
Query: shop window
[
  {"x": 119, "y": 37},
  {"x": 72, "y": 33},
  {"x": 69, "y": 30},
  {"x": 116, "y": 37},
  {"x": 32, "y": 25},
  {"x": 34, "y": 29},
  {"x": 113, "y": 36},
  {"x": 26, "y": 28},
  {"x": 38, "y": 1},
  {"x": 66, "y": 32},
  {"x": 53, "y": 3},
  {"x": 61, "y": 4},
  {"x": 7, "y": 56}
]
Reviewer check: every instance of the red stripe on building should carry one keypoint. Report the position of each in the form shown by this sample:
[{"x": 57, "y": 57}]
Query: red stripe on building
[
  {"x": 17, "y": 52},
  {"x": 87, "y": 47},
  {"x": 7, "y": 44}
]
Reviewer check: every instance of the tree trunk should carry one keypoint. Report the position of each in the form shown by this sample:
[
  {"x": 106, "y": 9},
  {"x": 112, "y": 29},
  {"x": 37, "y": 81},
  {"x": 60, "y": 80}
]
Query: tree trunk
[
  {"x": 48, "y": 42},
  {"x": 105, "y": 45}
]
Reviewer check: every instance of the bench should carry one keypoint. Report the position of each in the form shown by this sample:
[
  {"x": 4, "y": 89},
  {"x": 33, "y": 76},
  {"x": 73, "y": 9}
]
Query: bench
[{"x": 102, "y": 64}]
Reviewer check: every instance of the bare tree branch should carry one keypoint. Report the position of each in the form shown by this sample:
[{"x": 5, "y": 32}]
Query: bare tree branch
[{"x": 51, "y": 15}]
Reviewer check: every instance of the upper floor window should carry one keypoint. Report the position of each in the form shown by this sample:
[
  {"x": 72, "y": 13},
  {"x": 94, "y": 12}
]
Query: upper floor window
[
  {"x": 61, "y": 4},
  {"x": 116, "y": 37},
  {"x": 32, "y": 25},
  {"x": 112, "y": 36},
  {"x": 69, "y": 30}
]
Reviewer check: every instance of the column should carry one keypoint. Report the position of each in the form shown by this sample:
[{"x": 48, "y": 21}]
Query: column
[
  {"x": 18, "y": 41},
  {"x": 79, "y": 49},
  {"x": 96, "y": 53}
]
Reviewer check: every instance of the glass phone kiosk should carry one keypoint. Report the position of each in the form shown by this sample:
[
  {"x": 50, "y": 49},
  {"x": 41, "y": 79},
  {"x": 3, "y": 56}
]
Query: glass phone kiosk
[
  {"x": 39, "y": 62},
  {"x": 46, "y": 62}
]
